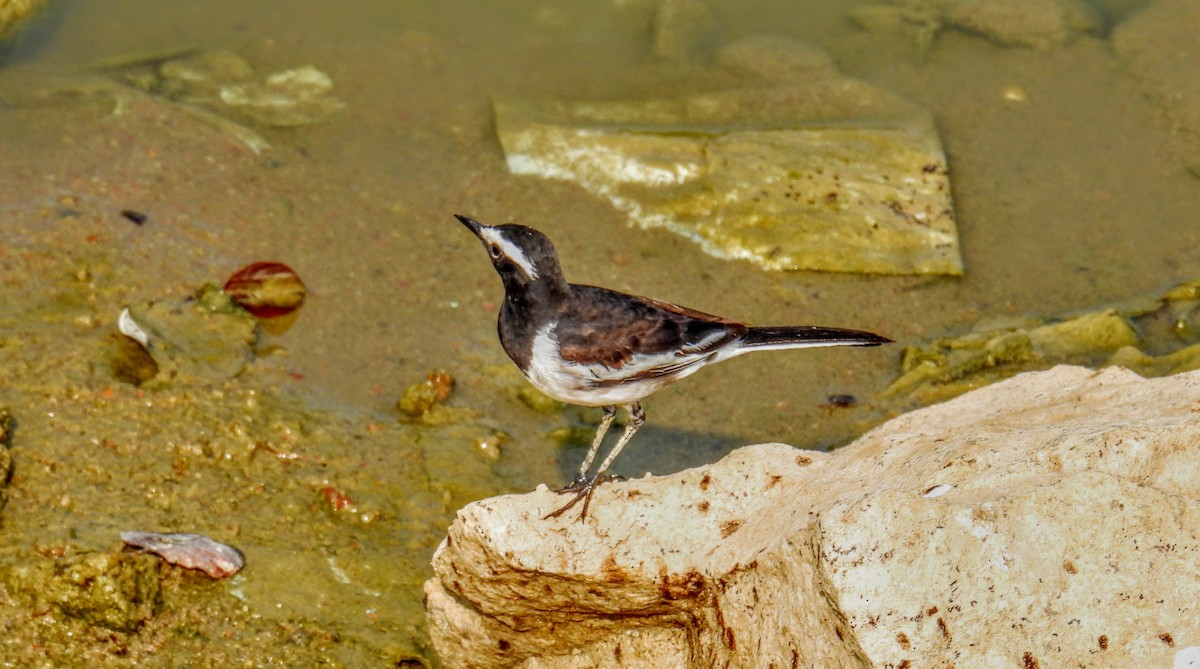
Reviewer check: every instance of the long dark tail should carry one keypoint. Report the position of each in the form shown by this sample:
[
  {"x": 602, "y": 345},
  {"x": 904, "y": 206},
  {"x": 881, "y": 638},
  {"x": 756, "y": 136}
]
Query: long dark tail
[{"x": 800, "y": 336}]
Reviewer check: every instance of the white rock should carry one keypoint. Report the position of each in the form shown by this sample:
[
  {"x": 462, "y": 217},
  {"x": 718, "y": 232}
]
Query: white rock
[{"x": 1068, "y": 539}]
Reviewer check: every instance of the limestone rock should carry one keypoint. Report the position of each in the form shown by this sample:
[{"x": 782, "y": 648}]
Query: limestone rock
[{"x": 1047, "y": 520}]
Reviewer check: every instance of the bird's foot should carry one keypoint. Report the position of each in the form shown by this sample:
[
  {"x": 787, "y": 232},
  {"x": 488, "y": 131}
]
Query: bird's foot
[
  {"x": 581, "y": 482},
  {"x": 583, "y": 486}
]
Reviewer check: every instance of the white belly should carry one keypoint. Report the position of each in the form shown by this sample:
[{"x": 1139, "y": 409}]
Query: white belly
[{"x": 578, "y": 384}]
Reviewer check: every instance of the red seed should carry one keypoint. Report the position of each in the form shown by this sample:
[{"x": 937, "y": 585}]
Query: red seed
[
  {"x": 337, "y": 500},
  {"x": 266, "y": 289},
  {"x": 442, "y": 383}
]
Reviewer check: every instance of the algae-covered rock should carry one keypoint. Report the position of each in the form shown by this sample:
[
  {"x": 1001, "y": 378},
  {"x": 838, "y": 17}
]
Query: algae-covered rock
[
  {"x": 829, "y": 174},
  {"x": 5, "y": 456},
  {"x": 1030, "y": 23},
  {"x": 204, "y": 336},
  {"x": 224, "y": 82},
  {"x": 537, "y": 400},
  {"x": 15, "y": 12},
  {"x": 954, "y": 365},
  {"x": 422, "y": 402},
  {"x": 119, "y": 591},
  {"x": 287, "y": 98}
]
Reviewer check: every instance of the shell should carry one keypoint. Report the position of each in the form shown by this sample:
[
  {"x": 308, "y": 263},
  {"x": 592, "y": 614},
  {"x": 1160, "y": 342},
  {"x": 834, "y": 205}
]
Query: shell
[
  {"x": 191, "y": 551},
  {"x": 266, "y": 289}
]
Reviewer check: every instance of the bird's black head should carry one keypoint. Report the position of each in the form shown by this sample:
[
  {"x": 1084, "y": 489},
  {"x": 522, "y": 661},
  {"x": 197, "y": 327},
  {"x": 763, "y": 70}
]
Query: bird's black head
[{"x": 523, "y": 257}]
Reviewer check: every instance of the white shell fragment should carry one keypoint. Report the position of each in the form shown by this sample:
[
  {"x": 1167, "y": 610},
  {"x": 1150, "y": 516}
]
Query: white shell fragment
[
  {"x": 938, "y": 490},
  {"x": 191, "y": 551},
  {"x": 131, "y": 329}
]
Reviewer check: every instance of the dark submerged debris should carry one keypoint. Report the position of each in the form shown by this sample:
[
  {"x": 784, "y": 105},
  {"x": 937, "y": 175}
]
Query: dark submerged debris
[
  {"x": 135, "y": 217},
  {"x": 841, "y": 401}
]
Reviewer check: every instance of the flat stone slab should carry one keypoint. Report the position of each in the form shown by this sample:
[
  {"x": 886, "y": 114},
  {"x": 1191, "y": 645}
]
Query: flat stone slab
[{"x": 832, "y": 174}]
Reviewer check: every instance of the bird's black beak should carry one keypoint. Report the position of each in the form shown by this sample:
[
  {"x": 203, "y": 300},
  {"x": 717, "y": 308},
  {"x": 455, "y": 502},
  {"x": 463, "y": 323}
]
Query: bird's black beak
[{"x": 472, "y": 224}]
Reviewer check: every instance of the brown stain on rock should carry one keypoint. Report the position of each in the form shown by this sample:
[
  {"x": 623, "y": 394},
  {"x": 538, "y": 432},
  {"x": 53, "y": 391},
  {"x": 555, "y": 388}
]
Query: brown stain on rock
[
  {"x": 705, "y": 481},
  {"x": 902, "y": 640},
  {"x": 687, "y": 586},
  {"x": 1069, "y": 567},
  {"x": 1029, "y": 661},
  {"x": 729, "y": 527},
  {"x": 1166, "y": 638},
  {"x": 613, "y": 573},
  {"x": 1103, "y": 641}
]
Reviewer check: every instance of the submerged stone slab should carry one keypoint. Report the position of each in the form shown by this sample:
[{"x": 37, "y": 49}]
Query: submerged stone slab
[
  {"x": 832, "y": 174},
  {"x": 1150, "y": 336}
]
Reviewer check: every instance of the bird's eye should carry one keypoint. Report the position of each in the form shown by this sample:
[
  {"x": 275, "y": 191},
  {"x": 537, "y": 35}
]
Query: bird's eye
[{"x": 494, "y": 250}]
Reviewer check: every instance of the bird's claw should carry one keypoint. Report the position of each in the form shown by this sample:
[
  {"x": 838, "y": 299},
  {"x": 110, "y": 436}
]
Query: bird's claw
[
  {"x": 581, "y": 482},
  {"x": 583, "y": 486}
]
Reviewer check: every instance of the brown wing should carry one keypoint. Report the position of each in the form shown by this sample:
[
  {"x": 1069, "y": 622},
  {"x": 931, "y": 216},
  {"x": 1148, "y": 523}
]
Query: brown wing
[{"x": 600, "y": 326}]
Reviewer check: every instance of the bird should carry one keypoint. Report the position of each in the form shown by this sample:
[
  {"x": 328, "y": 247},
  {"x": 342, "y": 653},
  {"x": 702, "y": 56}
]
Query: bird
[{"x": 596, "y": 347}]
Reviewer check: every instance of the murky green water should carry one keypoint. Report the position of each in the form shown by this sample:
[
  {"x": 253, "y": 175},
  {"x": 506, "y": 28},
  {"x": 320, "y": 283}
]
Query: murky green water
[{"x": 1075, "y": 197}]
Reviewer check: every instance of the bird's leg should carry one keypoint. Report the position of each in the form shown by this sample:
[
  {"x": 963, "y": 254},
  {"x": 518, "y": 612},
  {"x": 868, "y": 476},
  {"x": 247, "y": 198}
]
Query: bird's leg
[
  {"x": 588, "y": 484},
  {"x": 610, "y": 412},
  {"x": 636, "y": 417}
]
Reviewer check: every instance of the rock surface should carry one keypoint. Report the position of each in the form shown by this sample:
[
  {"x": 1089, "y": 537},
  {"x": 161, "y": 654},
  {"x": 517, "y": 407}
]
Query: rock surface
[{"x": 1048, "y": 520}]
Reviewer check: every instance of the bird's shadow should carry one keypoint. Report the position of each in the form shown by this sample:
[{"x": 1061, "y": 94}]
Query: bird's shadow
[{"x": 657, "y": 450}]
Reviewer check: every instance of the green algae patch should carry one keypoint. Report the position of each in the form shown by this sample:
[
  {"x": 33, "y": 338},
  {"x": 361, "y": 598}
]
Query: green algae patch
[
  {"x": 13, "y": 13},
  {"x": 119, "y": 591},
  {"x": 1151, "y": 337},
  {"x": 831, "y": 174},
  {"x": 5, "y": 456},
  {"x": 199, "y": 336}
]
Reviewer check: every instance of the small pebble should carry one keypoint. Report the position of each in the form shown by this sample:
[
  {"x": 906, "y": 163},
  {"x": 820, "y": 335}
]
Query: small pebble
[
  {"x": 489, "y": 446},
  {"x": 135, "y": 217},
  {"x": 841, "y": 401}
]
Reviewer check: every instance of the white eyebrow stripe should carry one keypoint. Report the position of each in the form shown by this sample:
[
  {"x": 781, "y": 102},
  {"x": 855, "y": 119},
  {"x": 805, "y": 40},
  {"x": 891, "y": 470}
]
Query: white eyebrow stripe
[{"x": 511, "y": 250}]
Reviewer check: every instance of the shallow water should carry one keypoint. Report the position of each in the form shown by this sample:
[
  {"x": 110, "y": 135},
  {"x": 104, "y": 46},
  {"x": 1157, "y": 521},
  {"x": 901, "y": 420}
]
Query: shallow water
[{"x": 1072, "y": 199}]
